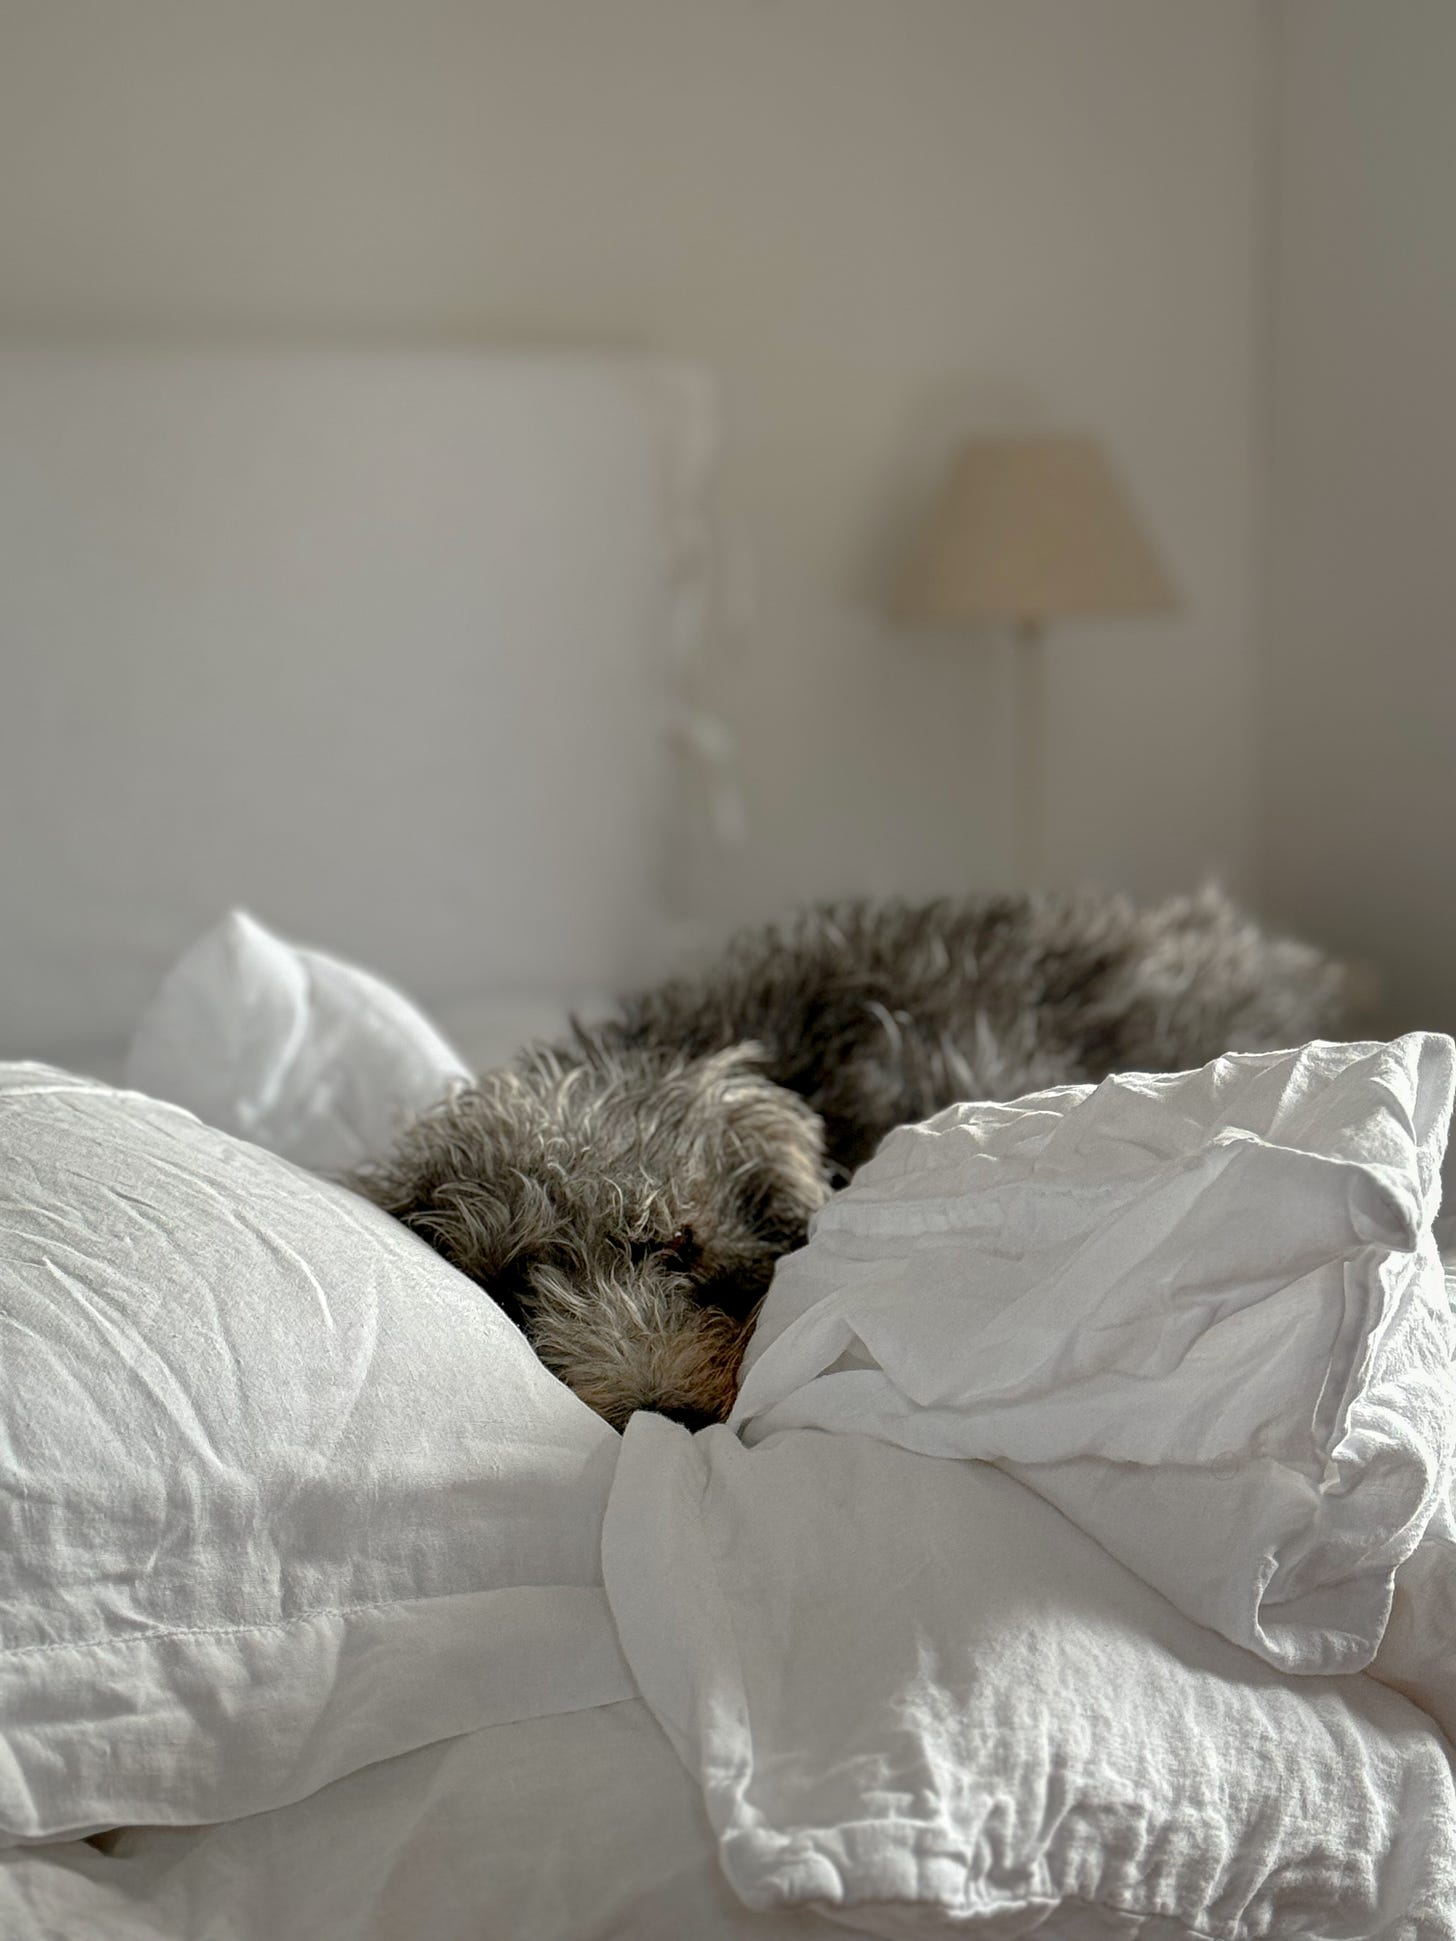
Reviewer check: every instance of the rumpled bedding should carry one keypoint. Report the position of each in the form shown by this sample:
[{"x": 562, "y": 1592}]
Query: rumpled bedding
[
  {"x": 1058, "y": 1392},
  {"x": 919, "y": 1700},
  {"x": 1202, "y": 1314},
  {"x": 1199, "y": 1319}
]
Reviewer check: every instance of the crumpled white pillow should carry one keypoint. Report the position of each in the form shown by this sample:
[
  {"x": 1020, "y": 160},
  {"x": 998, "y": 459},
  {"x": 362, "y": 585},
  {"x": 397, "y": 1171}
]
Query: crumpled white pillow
[
  {"x": 317, "y": 1060},
  {"x": 281, "y": 1492}
]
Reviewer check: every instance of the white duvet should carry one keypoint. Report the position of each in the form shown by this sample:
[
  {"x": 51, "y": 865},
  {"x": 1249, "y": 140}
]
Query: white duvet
[
  {"x": 1201, "y": 1316},
  {"x": 917, "y": 1699}
]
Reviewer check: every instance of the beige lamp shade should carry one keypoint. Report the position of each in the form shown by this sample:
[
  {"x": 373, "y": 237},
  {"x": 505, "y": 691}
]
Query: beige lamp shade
[{"x": 1033, "y": 529}]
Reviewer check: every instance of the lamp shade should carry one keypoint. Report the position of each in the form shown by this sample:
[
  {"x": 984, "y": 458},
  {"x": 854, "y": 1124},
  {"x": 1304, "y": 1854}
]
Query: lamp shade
[{"x": 1033, "y": 529}]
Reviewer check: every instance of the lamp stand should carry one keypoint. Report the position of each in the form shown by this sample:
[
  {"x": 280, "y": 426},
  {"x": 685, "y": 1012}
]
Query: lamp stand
[{"x": 1029, "y": 707}]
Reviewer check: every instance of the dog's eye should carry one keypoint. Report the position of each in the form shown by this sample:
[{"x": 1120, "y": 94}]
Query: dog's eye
[{"x": 682, "y": 1247}]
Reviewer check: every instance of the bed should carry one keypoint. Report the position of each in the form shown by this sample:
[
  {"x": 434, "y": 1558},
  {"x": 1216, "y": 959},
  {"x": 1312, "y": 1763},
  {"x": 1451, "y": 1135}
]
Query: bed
[{"x": 324, "y": 1608}]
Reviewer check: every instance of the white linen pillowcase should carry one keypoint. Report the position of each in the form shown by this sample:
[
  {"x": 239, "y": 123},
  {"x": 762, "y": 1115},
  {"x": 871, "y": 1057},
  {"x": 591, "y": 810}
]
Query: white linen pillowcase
[
  {"x": 281, "y": 1492},
  {"x": 441, "y": 1844},
  {"x": 314, "y": 1058}
]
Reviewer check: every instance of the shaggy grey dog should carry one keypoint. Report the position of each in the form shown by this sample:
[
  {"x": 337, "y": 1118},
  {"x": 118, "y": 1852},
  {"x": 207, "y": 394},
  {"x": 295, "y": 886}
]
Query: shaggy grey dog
[{"x": 624, "y": 1194}]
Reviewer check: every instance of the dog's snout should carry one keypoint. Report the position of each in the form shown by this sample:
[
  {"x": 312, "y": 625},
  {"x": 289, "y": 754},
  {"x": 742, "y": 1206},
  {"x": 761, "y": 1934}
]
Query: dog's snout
[{"x": 690, "y": 1418}]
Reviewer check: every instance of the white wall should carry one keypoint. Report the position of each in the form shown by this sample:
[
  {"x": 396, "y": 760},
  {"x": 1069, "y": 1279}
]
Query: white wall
[
  {"x": 886, "y": 221},
  {"x": 1360, "y": 740}
]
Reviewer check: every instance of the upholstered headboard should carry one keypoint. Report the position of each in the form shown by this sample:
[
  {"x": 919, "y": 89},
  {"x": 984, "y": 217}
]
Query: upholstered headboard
[{"x": 378, "y": 645}]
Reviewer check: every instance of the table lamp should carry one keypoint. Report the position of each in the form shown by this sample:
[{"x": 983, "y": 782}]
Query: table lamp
[{"x": 1031, "y": 530}]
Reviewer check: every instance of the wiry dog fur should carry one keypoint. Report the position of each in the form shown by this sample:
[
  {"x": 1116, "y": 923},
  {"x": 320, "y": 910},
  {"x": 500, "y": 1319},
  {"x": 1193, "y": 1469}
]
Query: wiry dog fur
[{"x": 624, "y": 1194}]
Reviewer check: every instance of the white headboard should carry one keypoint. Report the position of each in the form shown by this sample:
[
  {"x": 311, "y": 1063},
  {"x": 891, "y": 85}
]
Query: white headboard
[{"x": 373, "y": 644}]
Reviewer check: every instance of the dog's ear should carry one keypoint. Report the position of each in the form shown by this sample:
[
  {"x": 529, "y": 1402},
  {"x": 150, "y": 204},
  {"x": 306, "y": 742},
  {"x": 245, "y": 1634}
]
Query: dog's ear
[{"x": 773, "y": 1145}]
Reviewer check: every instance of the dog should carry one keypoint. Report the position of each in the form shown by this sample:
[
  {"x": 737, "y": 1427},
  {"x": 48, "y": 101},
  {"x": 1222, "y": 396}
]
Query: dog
[{"x": 624, "y": 1194}]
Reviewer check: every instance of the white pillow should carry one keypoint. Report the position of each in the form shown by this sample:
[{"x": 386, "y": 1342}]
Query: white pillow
[
  {"x": 313, "y": 1058},
  {"x": 281, "y": 1492},
  {"x": 918, "y": 1700},
  {"x": 580, "y": 1828},
  {"x": 1203, "y": 1314}
]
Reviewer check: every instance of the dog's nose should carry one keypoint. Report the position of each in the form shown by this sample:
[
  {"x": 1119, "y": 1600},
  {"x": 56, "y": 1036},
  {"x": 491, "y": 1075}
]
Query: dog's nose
[{"x": 690, "y": 1418}]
